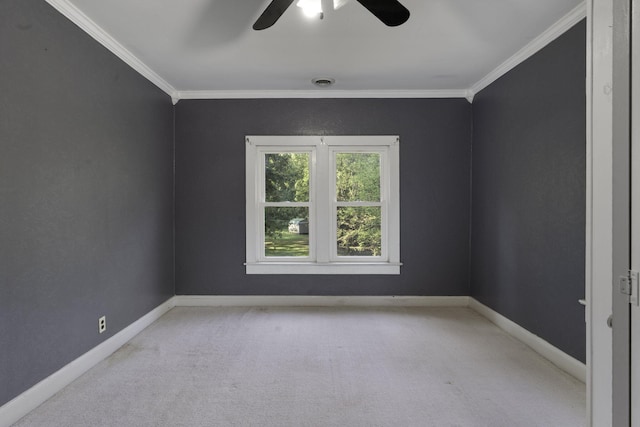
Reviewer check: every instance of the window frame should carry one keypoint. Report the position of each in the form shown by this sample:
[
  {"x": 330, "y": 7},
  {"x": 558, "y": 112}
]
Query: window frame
[{"x": 323, "y": 258}]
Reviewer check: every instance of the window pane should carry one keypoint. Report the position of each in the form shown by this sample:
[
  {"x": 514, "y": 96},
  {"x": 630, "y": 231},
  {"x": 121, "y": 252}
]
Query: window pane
[
  {"x": 286, "y": 177},
  {"x": 358, "y": 177},
  {"x": 359, "y": 232},
  {"x": 286, "y": 231}
]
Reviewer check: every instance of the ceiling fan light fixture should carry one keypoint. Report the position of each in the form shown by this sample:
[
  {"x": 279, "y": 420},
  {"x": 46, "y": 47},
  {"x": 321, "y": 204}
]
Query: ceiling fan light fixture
[
  {"x": 323, "y": 81},
  {"x": 310, "y": 8}
]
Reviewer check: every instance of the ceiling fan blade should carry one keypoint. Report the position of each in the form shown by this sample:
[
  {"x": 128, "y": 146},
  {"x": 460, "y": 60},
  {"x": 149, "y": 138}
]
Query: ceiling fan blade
[
  {"x": 391, "y": 12},
  {"x": 271, "y": 14}
]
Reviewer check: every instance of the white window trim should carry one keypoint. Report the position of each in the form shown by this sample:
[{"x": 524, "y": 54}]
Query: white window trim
[{"x": 323, "y": 258}]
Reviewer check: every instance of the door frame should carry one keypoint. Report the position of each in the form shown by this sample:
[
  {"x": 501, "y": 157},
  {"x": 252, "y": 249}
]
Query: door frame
[
  {"x": 621, "y": 145},
  {"x": 634, "y": 126},
  {"x": 599, "y": 215}
]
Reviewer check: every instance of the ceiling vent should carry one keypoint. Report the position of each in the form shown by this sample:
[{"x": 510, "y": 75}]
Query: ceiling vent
[{"x": 323, "y": 81}]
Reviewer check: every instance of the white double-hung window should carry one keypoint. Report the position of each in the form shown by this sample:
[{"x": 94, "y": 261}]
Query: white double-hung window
[{"x": 323, "y": 205}]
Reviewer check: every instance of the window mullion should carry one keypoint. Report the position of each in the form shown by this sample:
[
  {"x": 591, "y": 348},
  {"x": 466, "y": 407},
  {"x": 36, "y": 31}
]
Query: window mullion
[
  {"x": 322, "y": 205},
  {"x": 285, "y": 204},
  {"x": 358, "y": 204}
]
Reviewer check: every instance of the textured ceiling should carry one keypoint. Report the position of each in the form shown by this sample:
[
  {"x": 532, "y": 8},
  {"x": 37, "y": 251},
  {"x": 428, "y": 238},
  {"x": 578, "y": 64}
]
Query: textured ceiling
[{"x": 208, "y": 45}]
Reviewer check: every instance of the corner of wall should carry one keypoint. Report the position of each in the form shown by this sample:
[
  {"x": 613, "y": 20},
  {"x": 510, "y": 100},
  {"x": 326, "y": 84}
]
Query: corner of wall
[
  {"x": 470, "y": 258},
  {"x": 173, "y": 180}
]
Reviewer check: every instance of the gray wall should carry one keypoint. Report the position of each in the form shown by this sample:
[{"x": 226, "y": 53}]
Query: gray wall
[
  {"x": 528, "y": 220},
  {"x": 210, "y": 191},
  {"x": 85, "y": 194}
]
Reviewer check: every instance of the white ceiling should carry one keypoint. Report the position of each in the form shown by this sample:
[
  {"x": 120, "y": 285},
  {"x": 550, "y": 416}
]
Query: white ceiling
[{"x": 200, "y": 46}]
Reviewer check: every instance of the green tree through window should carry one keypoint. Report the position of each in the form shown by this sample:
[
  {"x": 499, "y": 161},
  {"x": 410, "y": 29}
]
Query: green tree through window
[
  {"x": 358, "y": 227},
  {"x": 286, "y": 180}
]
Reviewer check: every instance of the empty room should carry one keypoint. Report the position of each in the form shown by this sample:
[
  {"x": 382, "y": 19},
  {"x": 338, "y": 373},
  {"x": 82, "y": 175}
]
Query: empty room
[{"x": 256, "y": 213}]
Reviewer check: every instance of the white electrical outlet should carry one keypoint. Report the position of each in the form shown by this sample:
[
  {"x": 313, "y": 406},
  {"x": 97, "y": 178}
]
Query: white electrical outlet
[{"x": 102, "y": 324}]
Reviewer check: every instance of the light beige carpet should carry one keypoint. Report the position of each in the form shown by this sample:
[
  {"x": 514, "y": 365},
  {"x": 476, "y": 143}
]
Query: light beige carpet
[{"x": 319, "y": 367}]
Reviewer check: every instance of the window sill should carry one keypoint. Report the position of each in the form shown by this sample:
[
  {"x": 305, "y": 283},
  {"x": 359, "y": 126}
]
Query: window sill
[{"x": 328, "y": 268}]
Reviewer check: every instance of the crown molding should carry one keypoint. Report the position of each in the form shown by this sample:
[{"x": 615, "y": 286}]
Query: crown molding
[
  {"x": 76, "y": 16},
  {"x": 550, "y": 34},
  {"x": 321, "y": 93}
]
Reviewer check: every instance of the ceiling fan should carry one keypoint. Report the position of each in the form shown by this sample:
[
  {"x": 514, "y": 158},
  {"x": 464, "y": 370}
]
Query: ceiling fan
[{"x": 390, "y": 12}]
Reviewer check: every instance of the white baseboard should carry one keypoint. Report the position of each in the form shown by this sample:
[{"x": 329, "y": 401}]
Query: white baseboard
[
  {"x": 556, "y": 356},
  {"x": 24, "y": 403},
  {"x": 317, "y": 301}
]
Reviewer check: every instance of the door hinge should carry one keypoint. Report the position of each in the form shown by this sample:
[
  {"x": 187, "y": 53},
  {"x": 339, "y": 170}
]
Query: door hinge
[{"x": 629, "y": 286}]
